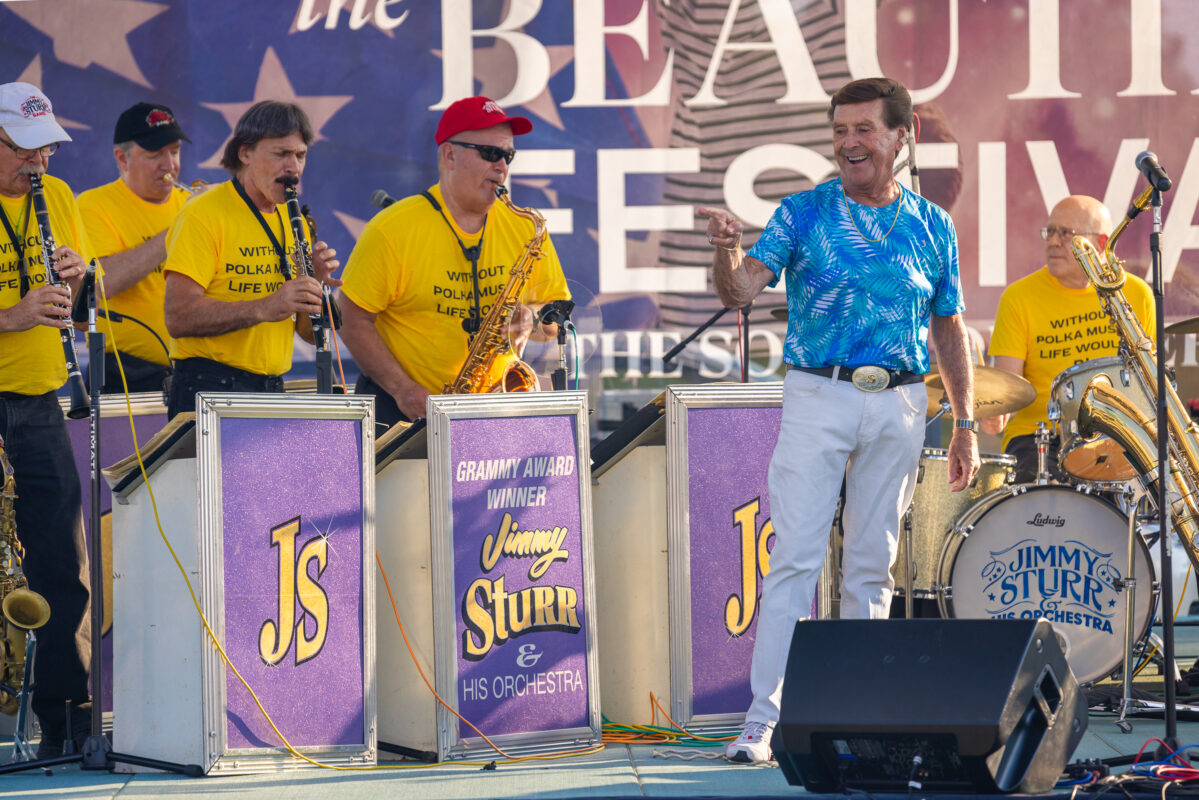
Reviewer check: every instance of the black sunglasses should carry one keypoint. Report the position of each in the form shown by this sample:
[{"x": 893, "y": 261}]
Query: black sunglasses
[{"x": 489, "y": 152}]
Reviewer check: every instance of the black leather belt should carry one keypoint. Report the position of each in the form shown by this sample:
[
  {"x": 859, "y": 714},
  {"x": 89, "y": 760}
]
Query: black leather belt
[{"x": 868, "y": 379}]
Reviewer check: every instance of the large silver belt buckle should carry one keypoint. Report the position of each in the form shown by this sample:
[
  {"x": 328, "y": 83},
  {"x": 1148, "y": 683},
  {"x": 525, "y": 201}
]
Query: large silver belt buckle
[{"x": 871, "y": 379}]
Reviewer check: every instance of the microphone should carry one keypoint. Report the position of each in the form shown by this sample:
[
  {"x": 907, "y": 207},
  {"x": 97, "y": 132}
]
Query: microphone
[
  {"x": 381, "y": 198},
  {"x": 556, "y": 311},
  {"x": 1147, "y": 164}
]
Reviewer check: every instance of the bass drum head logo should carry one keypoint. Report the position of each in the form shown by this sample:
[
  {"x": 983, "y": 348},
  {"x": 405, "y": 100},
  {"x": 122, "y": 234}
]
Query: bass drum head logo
[{"x": 1056, "y": 554}]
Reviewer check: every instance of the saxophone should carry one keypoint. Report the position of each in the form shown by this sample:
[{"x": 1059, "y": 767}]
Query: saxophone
[
  {"x": 490, "y": 341},
  {"x": 1104, "y": 409},
  {"x": 23, "y": 609}
]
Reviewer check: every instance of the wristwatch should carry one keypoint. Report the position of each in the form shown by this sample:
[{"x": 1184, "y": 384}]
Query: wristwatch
[{"x": 968, "y": 424}]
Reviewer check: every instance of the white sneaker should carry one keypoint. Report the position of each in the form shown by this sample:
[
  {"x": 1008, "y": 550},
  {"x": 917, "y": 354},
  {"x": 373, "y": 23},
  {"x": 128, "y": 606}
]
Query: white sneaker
[{"x": 753, "y": 745}]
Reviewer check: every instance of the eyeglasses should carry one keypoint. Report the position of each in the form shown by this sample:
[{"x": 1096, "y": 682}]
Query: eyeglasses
[
  {"x": 1065, "y": 233},
  {"x": 489, "y": 152},
  {"x": 23, "y": 152}
]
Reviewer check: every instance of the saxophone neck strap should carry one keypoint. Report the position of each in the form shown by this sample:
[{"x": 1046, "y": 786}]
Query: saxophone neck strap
[
  {"x": 472, "y": 255},
  {"x": 279, "y": 251},
  {"x": 22, "y": 270}
]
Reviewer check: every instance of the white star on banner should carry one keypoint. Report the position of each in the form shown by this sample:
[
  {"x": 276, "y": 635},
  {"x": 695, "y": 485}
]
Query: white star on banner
[
  {"x": 87, "y": 32},
  {"x": 273, "y": 84}
]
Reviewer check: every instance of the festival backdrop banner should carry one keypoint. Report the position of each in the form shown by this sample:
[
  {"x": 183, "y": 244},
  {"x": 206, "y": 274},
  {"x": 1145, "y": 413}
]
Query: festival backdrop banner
[
  {"x": 512, "y": 571},
  {"x": 645, "y": 110}
]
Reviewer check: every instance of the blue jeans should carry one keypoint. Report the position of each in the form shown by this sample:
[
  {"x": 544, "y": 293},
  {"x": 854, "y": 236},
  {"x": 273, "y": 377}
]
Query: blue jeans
[{"x": 49, "y": 519}]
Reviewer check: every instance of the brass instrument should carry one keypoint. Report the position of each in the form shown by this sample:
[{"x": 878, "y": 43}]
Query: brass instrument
[
  {"x": 80, "y": 405},
  {"x": 490, "y": 341},
  {"x": 195, "y": 186},
  {"x": 23, "y": 609},
  {"x": 1105, "y": 410}
]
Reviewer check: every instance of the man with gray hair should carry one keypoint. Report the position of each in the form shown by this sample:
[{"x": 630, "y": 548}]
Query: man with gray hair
[
  {"x": 231, "y": 306},
  {"x": 47, "y": 509},
  {"x": 126, "y": 222}
]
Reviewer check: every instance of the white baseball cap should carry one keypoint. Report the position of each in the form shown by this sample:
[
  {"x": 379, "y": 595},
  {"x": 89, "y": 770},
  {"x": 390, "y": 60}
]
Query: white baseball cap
[{"x": 27, "y": 116}]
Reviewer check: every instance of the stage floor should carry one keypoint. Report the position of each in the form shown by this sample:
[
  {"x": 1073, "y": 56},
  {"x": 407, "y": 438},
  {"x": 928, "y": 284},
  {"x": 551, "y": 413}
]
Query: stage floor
[{"x": 618, "y": 771}]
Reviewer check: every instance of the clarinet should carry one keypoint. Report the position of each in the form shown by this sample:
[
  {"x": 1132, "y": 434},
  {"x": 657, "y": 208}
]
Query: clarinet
[
  {"x": 329, "y": 318},
  {"x": 80, "y": 406}
]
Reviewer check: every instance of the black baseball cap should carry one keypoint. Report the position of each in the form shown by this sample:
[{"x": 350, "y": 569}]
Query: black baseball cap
[{"x": 150, "y": 125}]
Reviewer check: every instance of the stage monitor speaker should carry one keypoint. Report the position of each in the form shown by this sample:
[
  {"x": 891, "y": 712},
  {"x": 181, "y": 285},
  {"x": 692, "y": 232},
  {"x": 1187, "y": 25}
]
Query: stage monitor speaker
[{"x": 987, "y": 705}]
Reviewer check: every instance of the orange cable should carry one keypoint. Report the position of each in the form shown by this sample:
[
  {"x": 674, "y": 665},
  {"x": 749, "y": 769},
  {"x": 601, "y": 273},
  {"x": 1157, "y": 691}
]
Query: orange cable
[{"x": 696, "y": 736}]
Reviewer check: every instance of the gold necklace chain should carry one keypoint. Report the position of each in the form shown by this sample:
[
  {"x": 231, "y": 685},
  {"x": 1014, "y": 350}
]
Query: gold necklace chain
[{"x": 849, "y": 210}]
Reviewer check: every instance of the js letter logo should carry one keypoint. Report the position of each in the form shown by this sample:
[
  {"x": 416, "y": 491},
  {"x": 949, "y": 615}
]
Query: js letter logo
[{"x": 274, "y": 639}]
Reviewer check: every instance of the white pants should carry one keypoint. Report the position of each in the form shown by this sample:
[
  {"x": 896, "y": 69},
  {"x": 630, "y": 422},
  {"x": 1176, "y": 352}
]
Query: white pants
[{"x": 832, "y": 430}]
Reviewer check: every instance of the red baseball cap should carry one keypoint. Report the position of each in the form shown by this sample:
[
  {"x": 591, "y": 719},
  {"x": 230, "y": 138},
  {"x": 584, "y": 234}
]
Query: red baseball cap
[{"x": 476, "y": 113}]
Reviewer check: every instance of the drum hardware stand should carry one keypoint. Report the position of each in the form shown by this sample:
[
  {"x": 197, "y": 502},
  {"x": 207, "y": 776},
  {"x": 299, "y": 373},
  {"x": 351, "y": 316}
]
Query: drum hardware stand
[
  {"x": 1129, "y": 585},
  {"x": 1042, "y": 440},
  {"x": 909, "y": 610},
  {"x": 97, "y": 752}
]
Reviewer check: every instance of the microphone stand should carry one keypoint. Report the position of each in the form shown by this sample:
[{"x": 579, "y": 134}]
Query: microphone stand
[
  {"x": 1163, "y": 438},
  {"x": 678, "y": 348},
  {"x": 97, "y": 752},
  {"x": 558, "y": 312}
]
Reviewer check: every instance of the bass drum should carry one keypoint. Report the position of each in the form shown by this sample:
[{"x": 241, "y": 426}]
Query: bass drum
[{"x": 1032, "y": 551}]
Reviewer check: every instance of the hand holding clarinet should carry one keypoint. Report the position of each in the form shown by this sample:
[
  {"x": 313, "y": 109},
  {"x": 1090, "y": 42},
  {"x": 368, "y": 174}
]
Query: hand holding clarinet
[{"x": 61, "y": 264}]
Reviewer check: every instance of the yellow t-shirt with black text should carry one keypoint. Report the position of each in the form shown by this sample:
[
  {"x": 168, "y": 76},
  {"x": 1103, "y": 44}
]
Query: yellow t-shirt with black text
[
  {"x": 1053, "y": 327},
  {"x": 218, "y": 242},
  {"x": 117, "y": 220},
  {"x": 408, "y": 269},
  {"x": 32, "y": 362}
]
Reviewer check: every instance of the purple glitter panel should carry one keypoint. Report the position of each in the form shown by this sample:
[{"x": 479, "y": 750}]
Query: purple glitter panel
[
  {"x": 729, "y": 508},
  {"x": 116, "y": 442},
  {"x": 295, "y": 486},
  {"x": 522, "y": 661}
]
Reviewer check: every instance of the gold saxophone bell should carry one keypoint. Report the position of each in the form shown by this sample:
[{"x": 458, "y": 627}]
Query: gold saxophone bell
[{"x": 26, "y": 609}]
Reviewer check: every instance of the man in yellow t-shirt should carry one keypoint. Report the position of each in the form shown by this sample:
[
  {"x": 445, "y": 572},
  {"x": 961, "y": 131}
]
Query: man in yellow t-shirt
[
  {"x": 47, "y": 508},
  {"x": 126, "y": 223},
  {"x": 230, "y": 307},
  {"x": 410, "y": 284},
  {"x": 1051, "y": 320}
]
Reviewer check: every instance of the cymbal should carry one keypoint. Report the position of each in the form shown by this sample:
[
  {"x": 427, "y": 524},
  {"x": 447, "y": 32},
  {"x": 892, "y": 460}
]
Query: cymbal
[
  {"x": 1186, "y": 326},
  {"x": 779, "y": 313},
  {"x": 996, "y": 391}
]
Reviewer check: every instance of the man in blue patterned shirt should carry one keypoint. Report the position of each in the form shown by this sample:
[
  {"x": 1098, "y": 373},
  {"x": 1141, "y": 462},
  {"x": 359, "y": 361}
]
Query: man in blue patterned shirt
[{"x": 871, "y": 271}]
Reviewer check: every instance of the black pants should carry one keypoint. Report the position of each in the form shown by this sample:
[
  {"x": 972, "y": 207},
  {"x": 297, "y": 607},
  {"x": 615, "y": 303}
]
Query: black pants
[
  {"x": 1024, "y": 448},
  {"x": 387, "y": 412},
  {"x": 193, "y": 375},
  {"x": 141, "y": 375},
  {"x": 49, "y": 518}
]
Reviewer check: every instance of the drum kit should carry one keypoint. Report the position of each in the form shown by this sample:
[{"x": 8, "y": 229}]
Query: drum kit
[{"x": 1055, "y": 550}]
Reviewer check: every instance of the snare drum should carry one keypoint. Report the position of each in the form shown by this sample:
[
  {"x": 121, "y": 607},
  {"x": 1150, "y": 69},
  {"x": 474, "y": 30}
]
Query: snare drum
[
  {"x": 1096, "y": 457},
  {"x": 935, "y": 509},
  {"x": 1032, "y": 551}
]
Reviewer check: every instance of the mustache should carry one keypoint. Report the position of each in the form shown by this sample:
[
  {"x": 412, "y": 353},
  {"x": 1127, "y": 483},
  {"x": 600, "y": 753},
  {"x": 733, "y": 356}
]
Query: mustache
[
  {"x": 31, "y": 169},
  {"x": 288, "y": 180}
]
